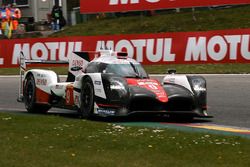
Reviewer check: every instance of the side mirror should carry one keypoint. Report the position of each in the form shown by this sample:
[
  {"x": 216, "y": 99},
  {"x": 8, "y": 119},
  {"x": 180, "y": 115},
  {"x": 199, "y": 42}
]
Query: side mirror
[
  {"x": 76, "y": 68},
  {"x": 171, "y": 71}
]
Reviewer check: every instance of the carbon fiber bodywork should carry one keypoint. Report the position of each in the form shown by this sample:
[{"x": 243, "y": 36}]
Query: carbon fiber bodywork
[{"x": 131, "y": 99}]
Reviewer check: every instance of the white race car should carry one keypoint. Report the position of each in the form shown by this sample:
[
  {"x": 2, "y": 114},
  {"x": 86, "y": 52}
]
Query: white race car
[{"x": 112, "y": 84}]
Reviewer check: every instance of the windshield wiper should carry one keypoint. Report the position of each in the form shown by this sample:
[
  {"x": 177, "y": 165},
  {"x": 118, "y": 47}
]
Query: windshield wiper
[{"x": 135, "y": 70}]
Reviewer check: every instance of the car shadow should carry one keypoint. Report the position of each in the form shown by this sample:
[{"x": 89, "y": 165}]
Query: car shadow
[
  {"x": 152, "y": 119},
  {"x": 124, "y": 119}
]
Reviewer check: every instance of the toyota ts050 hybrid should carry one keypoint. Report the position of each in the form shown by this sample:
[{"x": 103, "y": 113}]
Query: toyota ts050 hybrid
[{"x": 112, "y": 84}]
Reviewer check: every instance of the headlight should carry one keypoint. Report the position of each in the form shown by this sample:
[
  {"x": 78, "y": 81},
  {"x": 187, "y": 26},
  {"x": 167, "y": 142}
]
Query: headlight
[
  {"x": 199, "y": 85},
  {"x": 118, "y": 86}
]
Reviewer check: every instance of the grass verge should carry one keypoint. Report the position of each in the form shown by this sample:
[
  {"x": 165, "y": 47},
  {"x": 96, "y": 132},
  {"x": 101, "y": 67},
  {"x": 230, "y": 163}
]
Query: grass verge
[
  {"x": 201, "y": 20},
  {"x": 162, "y": 69},
  {"x": 42, "y": 140}
]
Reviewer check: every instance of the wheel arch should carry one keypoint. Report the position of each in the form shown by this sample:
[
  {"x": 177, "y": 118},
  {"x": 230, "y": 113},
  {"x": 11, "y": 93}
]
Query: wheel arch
[
  {"x": 43, "y": 78},
  {"x": 32, "y": 104}
]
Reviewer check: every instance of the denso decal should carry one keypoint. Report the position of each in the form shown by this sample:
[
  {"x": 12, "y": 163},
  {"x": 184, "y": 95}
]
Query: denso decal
[
  {"x": 77, "y": 63},
  {"x": 42, "y": 82}
]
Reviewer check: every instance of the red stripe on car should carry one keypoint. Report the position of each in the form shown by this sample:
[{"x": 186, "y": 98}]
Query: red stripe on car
[
  {"x": 151, "y": 85},
  {"x": 42, "y": 97}
]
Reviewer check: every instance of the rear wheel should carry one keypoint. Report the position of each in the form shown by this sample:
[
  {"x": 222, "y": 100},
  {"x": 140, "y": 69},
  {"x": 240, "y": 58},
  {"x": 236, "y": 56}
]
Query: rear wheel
[
  {"x": 87, "y": 99},
  {"x": 29, "y": 95}
]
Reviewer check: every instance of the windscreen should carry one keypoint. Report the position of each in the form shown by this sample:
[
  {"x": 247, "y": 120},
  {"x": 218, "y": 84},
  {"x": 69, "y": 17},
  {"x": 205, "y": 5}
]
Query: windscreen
[{"x": 126, "y": 70}]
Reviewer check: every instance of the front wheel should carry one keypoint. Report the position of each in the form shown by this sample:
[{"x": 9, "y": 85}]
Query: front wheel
[
  {"x": 29, "y": 95},
  {"x": 87, "y": 99}
]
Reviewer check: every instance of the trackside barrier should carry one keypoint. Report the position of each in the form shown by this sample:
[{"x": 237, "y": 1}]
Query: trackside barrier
[
  {"x": 223, "y": 46},
  {"x": 97, "y": 6}
]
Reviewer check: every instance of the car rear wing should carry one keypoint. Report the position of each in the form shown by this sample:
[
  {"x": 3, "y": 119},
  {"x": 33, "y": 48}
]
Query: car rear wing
[{"x": 23, "y": 62}]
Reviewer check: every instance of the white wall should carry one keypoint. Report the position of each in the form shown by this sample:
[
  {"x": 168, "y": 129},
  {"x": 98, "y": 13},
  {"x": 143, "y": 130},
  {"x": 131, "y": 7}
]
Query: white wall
[{"x": 42, "y": 9}]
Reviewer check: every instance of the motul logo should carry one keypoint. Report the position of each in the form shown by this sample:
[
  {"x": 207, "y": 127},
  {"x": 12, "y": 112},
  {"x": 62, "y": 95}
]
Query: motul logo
[
  {"x": 217, "y": 48},
  {"x": 125, "y": 2},
  {"x": 46, "y": 51}
]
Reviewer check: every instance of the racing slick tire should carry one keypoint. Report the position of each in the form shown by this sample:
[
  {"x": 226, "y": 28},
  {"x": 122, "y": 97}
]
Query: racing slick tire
[
  {"x": 87, "y": 99},
  {"x": 29, "y": 95}
]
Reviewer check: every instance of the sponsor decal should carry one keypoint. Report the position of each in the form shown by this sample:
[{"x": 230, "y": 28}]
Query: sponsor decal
[
  {"x": 223, "y": 46},
  {"x": 199, "y": 49},
  {"x": 97, "y": 6},
  {"x": 143, "y": 48},
  {"x": 147, "y": 83},
  {"x": 77, "y": 63},
  {"x": 170, "y": 80},
  {"x": 45, "y": 50},
  {"x": 98, "y": 82},
  {"x": 41, "y": 82},
  {"x": 102, "y": 111}
]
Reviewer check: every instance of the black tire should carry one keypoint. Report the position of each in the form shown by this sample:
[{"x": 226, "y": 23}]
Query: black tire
[
  {"x": 87, "y": 99},
  {"x": 29, "y": 94}
]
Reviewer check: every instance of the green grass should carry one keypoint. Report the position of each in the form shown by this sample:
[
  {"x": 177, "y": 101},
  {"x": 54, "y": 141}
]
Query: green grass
[
  {"x": 43, "y": 140},
  {"x": 162, "y": 69},
  {"x": 215, "y": 19}
]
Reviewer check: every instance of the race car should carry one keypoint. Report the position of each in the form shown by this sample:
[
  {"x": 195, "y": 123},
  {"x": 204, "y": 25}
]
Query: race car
[{"x": 111, "y": 84}]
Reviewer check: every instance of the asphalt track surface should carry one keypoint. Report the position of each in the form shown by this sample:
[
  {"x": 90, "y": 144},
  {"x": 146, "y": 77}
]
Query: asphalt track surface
[{"x": 228, "y": 98}]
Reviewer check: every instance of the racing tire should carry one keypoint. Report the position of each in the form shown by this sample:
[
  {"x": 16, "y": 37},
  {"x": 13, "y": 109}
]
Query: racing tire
[
  {"x": 29, "y": 95},
  {"x": 87, "y": 99}
]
